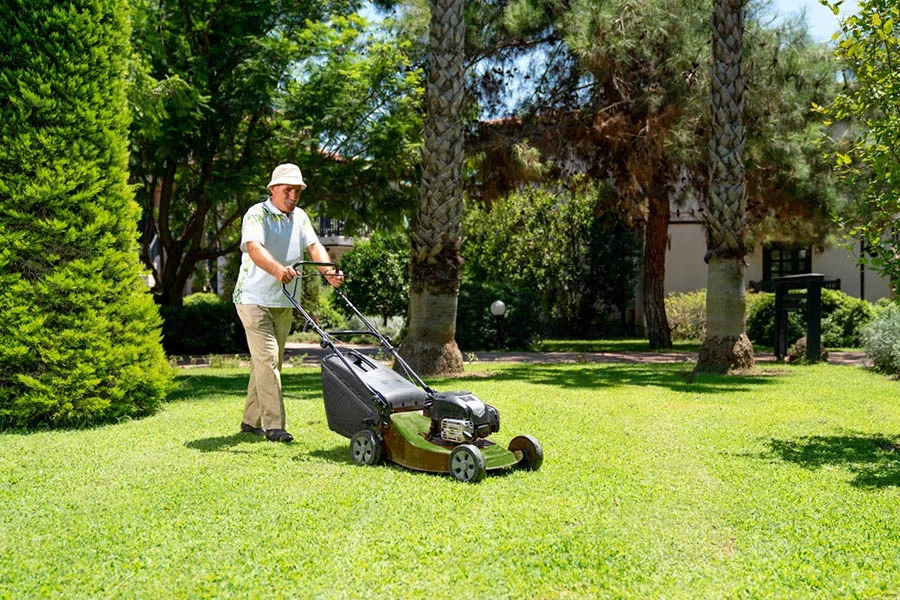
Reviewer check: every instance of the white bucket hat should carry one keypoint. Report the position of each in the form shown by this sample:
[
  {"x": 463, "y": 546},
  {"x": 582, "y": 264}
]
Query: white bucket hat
[{"x": 287, "y": 174}]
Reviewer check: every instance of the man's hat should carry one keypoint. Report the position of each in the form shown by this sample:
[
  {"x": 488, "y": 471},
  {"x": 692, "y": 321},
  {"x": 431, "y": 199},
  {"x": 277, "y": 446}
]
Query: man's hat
[{"x": 287, "y": 174}]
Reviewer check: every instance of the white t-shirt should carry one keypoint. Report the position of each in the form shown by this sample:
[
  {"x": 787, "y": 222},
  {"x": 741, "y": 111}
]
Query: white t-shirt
[{"x": 285, "y": 237}]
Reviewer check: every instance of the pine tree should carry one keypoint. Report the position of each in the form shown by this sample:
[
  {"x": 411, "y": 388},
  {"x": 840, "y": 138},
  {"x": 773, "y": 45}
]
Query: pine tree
[{"x": 79, "y": 334}]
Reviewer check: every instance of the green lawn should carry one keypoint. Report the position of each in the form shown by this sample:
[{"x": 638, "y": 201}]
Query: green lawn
[{"x": 779, "y": 485}]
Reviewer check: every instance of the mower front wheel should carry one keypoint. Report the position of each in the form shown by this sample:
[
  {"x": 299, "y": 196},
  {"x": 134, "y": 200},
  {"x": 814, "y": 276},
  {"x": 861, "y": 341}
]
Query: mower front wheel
[
  {"x": 467, "y": 464},
  {"x": 532, "y": 453},
  {"x": 366, "y": 448}
]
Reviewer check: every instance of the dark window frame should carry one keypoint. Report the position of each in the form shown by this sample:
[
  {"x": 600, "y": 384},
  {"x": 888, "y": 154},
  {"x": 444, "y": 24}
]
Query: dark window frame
[{"x": 781, "y": 259}]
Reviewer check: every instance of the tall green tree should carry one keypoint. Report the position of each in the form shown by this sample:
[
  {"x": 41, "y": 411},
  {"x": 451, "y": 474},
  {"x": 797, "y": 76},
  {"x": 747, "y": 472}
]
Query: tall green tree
[
  {"x": 79, "y": 333},
  {"x": 726, "y": 345},
  {"x": 866, "y": 119},
  {"x": 430, "y": 345},
  {"x": 226, "y": 90},
  {"x": 622, "y": 93}
]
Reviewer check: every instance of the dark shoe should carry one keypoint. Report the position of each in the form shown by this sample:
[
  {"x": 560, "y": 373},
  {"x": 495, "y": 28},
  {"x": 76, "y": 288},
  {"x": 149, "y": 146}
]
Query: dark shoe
[
  {"x": 279, "y": 435},
  {"x": 250, "y": 429}
]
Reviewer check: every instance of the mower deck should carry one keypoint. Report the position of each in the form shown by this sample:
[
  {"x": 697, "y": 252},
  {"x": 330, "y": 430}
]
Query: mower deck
[{"x": 406, "y": 444}]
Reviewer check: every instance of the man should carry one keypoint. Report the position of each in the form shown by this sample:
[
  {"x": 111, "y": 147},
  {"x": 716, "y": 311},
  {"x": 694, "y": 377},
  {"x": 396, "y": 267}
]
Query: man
[{"x": 274, "y": 235}]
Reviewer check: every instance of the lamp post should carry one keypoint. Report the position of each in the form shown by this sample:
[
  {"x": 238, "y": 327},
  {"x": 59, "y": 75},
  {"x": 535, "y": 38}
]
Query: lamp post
[{"x": 498, "y": 309}]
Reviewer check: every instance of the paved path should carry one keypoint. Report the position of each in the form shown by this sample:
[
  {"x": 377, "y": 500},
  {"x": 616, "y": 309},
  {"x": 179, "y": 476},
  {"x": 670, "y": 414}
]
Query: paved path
[{"x": 311, "y": 354}]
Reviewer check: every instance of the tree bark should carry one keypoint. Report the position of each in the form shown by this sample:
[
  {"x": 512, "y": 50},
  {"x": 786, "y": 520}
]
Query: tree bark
[
  {"x": 726, "y": 346},
  {"x": 430, "y": 346},
  {"x": 433, "y": 351},
  {"x": 656, "y": 238}
]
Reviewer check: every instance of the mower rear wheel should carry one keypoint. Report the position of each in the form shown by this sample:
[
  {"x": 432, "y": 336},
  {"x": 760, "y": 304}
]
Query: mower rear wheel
[
  {"x": 467, "y": 464},
  {"x": 366, "y": 448},
  {"x": 532, "y": 453}
]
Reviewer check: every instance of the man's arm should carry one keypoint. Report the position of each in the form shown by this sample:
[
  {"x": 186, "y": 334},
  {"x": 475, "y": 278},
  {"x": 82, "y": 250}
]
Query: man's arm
[{"x": 265, "y": 261}]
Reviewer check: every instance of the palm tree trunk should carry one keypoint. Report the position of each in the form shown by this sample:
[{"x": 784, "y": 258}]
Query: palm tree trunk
[
  {"x": 726, "y": 346},
  {"x": 430, "y": 346}
]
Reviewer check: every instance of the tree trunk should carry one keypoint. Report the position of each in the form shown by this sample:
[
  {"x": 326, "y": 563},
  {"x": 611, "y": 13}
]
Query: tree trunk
[
  {"x": 726, "y": 346},
  {"x": 430, "y": 347},
  {"x": 656, "y": 238},
  {"x": 433, "y": 317}
]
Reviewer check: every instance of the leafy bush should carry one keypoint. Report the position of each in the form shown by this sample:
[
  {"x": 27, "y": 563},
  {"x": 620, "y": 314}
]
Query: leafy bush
[
  {"x": 579, "y": 258},
  {"x": 477, "y": 328},
  {"x": 79, "y": 332},
  {"x": 378, "y": 275},
  {"x": 842, "y": 318},
  {"x": 206, "y": 324},
  {"x": 761, "y": 321},
  {"x": 687, "y": 315},
  {"x": 881, "y": 340}
]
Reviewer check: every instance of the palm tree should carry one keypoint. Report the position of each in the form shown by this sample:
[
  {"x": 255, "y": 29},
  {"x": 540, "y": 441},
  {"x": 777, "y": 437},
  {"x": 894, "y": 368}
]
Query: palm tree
[
  {"x": 726, "y": 345},
  {"x": 430, "y": 345}
]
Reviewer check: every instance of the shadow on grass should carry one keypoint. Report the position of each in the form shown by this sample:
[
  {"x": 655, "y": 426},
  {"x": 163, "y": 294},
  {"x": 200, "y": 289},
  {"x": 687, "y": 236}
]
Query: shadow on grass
[
  {"x": 203, "y": 384},
  {"x": 676, "y": 377},
  {"x": 225, "y": 442},
  {"x": 338, "y": 454},
  {"x": 874, "y": 459}
]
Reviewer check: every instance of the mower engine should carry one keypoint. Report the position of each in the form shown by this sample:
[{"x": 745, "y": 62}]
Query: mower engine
[{"x": 460, "y": 417}]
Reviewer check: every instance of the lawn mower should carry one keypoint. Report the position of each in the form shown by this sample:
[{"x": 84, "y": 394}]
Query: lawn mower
[{"x": 389, "y": 416}]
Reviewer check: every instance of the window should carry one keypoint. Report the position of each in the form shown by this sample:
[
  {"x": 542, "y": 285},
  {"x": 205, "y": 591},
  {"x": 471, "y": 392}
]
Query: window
[{"x": 781, "y": 260}]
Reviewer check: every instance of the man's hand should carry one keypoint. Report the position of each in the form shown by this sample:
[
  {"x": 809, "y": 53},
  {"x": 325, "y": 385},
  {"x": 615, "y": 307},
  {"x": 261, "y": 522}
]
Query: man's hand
[
  {"x": 286, "y": 274},
  {"x": 334, "y": 276}
]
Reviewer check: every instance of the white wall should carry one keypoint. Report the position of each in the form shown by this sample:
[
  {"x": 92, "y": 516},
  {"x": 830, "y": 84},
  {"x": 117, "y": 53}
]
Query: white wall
[
  {"x": 686, "y": 271},
  {"x": 840, "y": 263}
]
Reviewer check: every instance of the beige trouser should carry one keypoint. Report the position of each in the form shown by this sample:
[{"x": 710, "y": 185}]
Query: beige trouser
[{"x": 267, "y": 330}]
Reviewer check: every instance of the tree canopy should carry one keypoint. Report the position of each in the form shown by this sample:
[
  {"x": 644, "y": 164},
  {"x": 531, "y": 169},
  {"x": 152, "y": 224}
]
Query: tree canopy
[
  {"x": 865, "y": 120},
  {"x": 224, "y": 91},
  {"x": 621, "y": 91}
]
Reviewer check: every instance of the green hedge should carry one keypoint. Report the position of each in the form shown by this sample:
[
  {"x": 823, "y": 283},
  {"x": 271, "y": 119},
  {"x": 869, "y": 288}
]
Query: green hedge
[
  {"x": 204, "y": 325},
  {"x": 477, "y": 328},
  {"x": 843, "y": 317}
]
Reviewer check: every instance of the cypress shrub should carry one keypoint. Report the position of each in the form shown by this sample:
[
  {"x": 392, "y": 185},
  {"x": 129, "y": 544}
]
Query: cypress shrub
[{"x": 79, "y": 332}]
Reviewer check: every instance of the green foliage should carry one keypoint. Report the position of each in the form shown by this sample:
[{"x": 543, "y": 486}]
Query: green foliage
[
  {"x": 225, "y": 91},
  {"x": 205, "y": 324},
  {"x": 478, "y": 329},
  {"x": 761, "y": 321},
  {"x": 687, "y": 315},
  {"x": 843, "y": 317},
  {"x": 621, "y": 64},
  {"x": 79, "y": 334},
  {"x": 867, "y": 112},
  {"x": 881, "y": 340},
  {"x": 377, "y": 272},
  {"x": 580, "y": 263}
]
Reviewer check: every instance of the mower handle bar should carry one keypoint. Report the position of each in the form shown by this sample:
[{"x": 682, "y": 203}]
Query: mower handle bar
[{"x": 370, "y": 329}]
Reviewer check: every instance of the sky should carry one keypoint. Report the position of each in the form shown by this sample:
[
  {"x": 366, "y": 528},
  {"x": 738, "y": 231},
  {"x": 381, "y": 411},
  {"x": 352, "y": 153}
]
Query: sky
[{"x": 821, "y": 20}]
